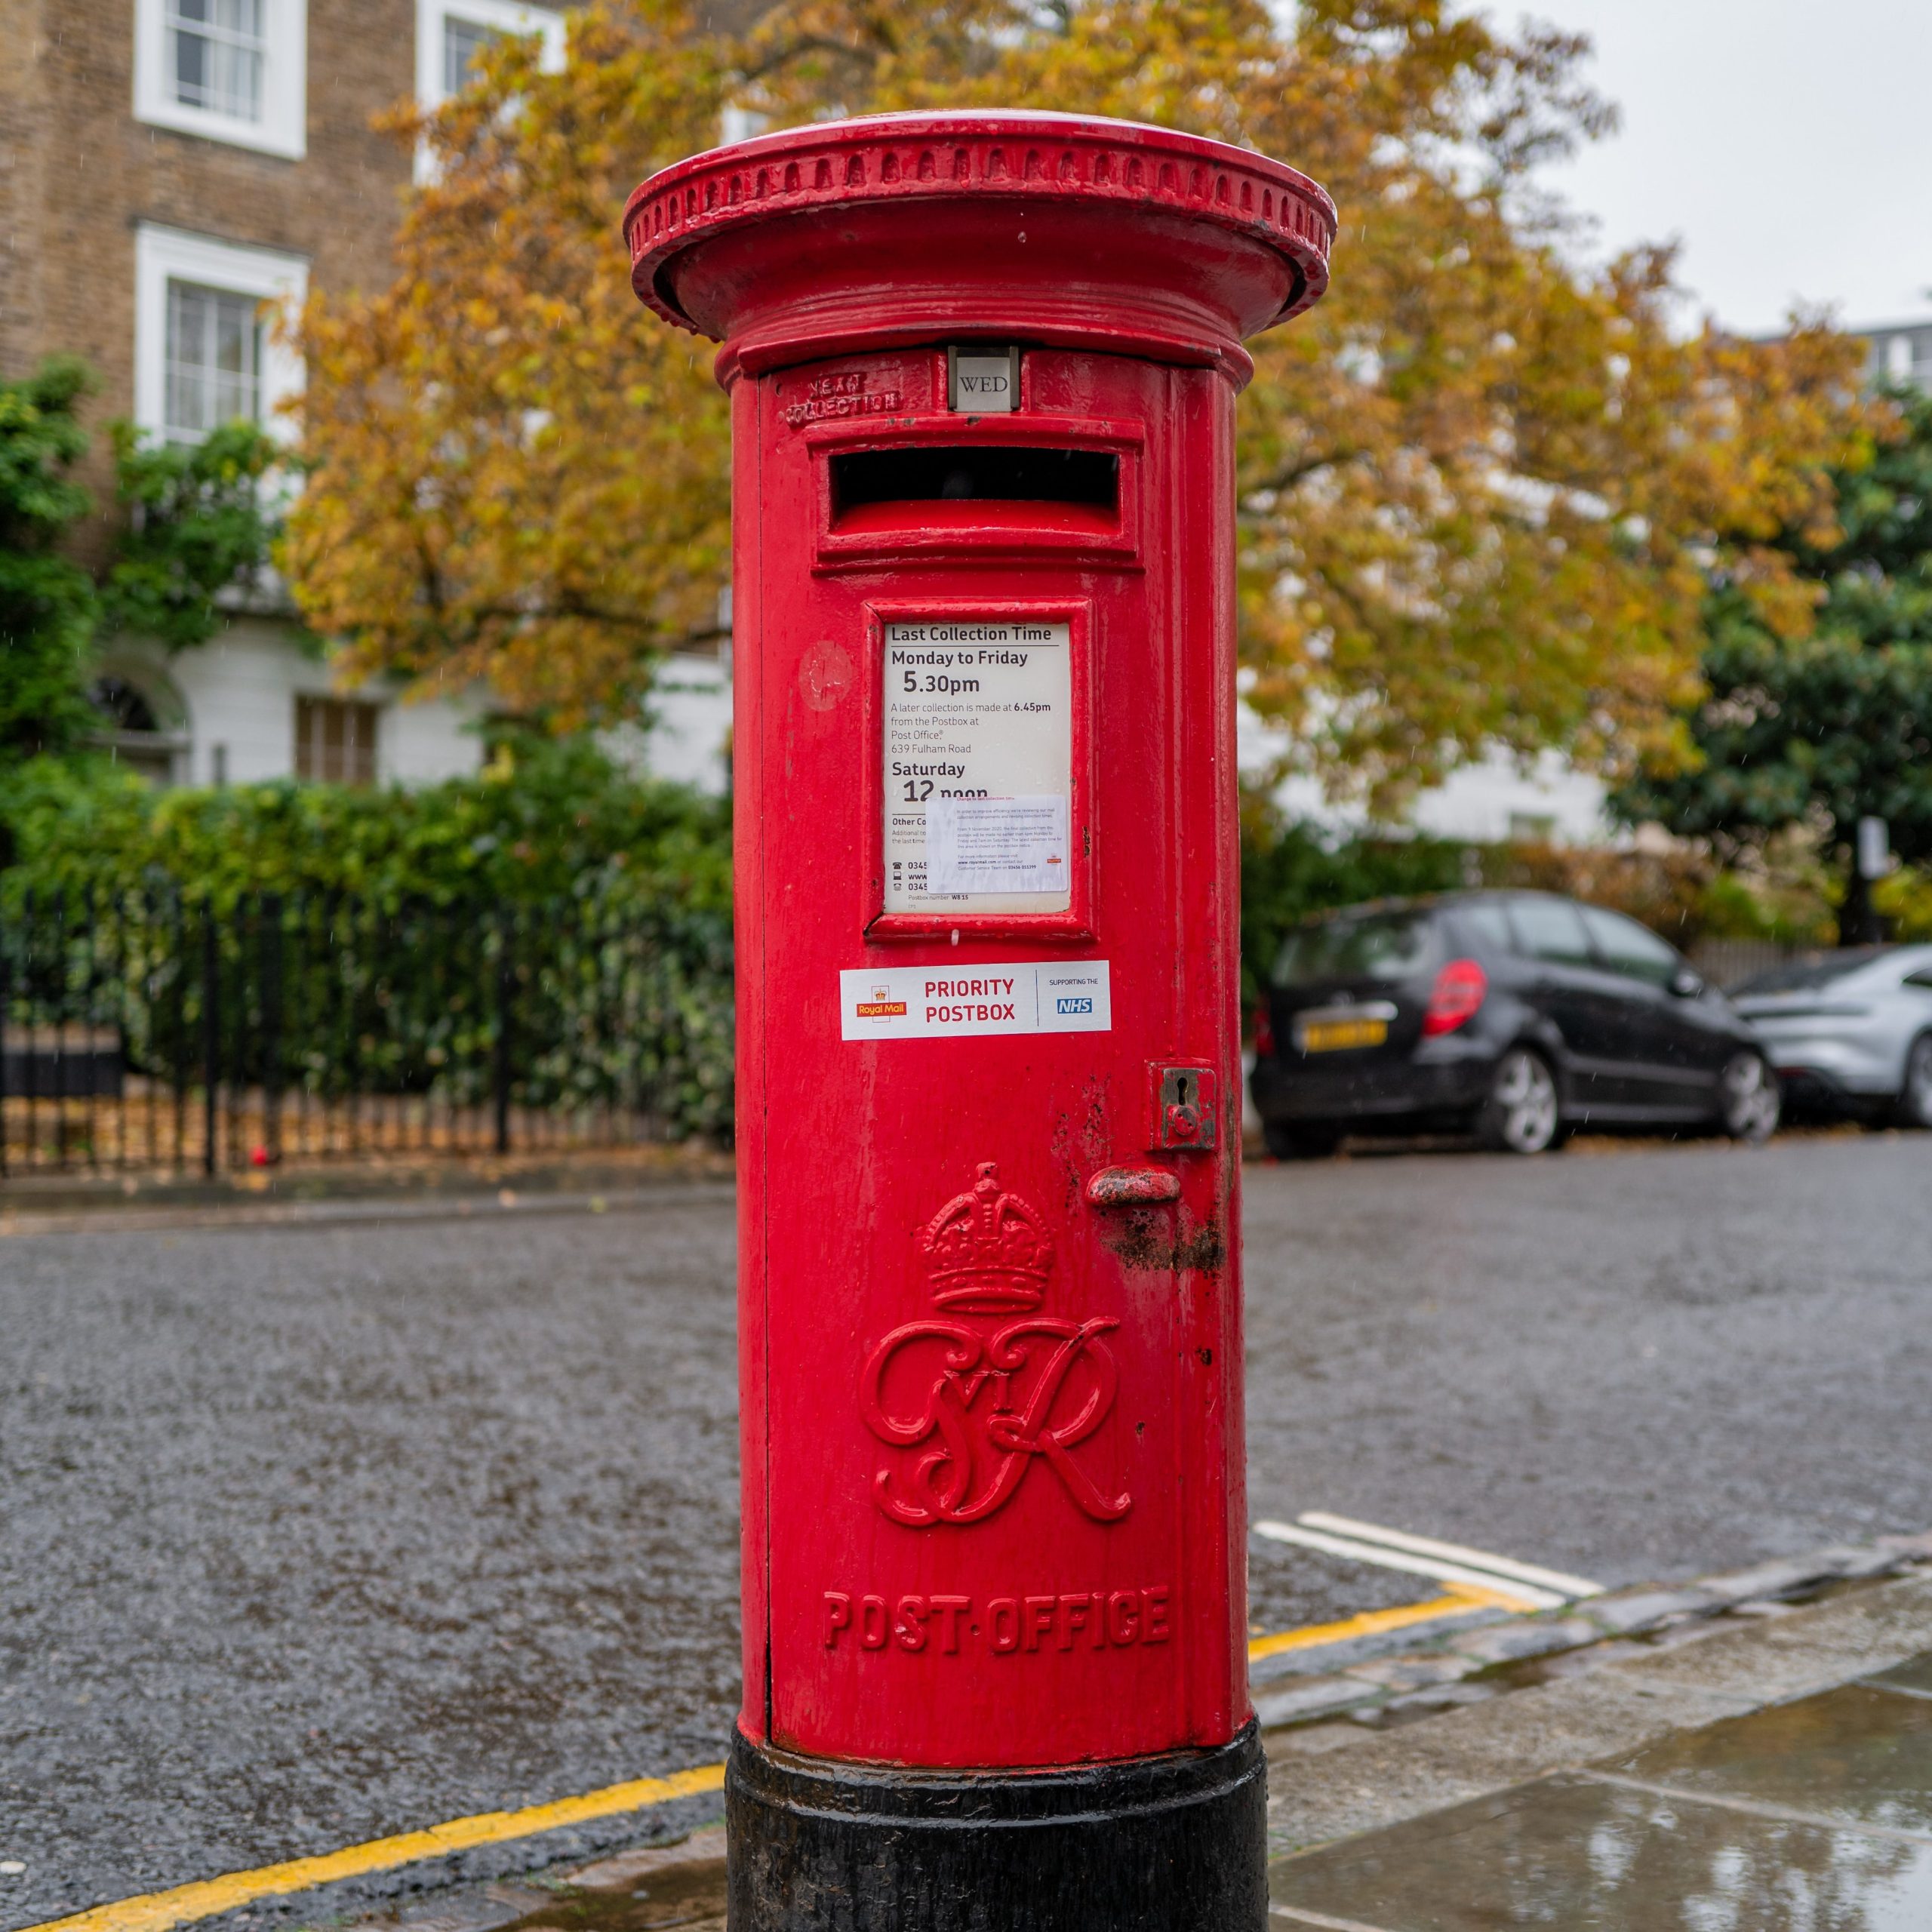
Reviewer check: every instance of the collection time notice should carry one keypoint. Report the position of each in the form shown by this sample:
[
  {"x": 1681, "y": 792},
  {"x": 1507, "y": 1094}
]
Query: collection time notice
[{"x": 977, "y": 753}]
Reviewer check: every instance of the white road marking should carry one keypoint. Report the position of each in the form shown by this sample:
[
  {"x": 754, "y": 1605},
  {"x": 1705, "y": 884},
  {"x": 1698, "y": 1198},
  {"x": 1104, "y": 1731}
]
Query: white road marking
[
  {"x": 1302, "y": 1915},
  {"x": 1573, "y": 1587},
  {"x": 1530, "y": 1595}
]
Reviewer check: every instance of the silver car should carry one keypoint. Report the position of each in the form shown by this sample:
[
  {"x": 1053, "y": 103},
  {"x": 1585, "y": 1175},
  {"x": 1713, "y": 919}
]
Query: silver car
[{"x": 1849, "y": 1032}]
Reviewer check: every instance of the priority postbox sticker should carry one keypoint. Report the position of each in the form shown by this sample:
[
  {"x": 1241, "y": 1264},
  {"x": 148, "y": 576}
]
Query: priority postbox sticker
[{"x": 936, "y": 1003}]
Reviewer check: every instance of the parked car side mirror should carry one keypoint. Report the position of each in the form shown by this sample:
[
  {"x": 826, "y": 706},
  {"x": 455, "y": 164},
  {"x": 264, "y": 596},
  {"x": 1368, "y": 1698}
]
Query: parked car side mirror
[{"x": 1686, "y": 984}]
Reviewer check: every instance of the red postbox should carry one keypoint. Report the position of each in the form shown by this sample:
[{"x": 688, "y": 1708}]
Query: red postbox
[{"x": 983, "y": 369}]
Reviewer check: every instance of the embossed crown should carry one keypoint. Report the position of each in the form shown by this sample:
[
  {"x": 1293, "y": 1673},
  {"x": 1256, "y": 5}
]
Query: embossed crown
[{"x": 986, "y": 1251}]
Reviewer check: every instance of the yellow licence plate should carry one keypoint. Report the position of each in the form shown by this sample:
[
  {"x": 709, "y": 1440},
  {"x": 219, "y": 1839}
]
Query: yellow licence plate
[{"x": 1328, "y": 1036}]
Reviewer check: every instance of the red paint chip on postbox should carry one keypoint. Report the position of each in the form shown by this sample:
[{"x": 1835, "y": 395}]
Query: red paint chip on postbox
[{"x": 934, "y": 1003}]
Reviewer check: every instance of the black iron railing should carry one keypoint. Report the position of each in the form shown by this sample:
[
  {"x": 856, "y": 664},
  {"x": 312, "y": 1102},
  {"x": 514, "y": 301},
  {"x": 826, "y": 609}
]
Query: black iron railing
[{"x": 150, "y": 1030}]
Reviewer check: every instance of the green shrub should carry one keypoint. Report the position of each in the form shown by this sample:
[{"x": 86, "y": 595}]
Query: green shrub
[
  {"x": 1904, "y": 899},
  {"x": 542, "y": 820},
  {"x": 47, "y": 606},
  {"x": 194, "y": 526},
  {"x": 377, "y": 943}
]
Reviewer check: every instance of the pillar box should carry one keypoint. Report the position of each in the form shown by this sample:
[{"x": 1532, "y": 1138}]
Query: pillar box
[{"x": 982, "y": 368}]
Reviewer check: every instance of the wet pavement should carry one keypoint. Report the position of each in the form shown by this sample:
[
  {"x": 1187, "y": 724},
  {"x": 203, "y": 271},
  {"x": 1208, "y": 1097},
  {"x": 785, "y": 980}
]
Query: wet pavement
[
  {"x": 644, "y": 1890},
  {"x": 1814, "y": 1816},
  {"x": 1860, "y": 1755},
  {"x": 1574, "y": 1853},
  {"x": 317, "y": 1534}
]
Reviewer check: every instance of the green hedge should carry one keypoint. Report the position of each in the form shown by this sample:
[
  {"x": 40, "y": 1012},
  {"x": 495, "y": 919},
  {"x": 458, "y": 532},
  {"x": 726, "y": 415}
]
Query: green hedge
[
  {"x": 542, "y": 820},
  {"x": 387, "y": 933}
]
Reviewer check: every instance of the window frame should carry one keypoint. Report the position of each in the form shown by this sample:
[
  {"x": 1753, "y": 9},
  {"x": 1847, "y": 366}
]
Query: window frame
[
  {"x": 163, "y": 255},
  {"x": 1524, "y": 905},
  {"x": 502, "y": 17},
  {"x": 216, "y": 309},
  {"x": 1598, "y": 919},
  {"x": 283, "y": 130},
  {"x": 350, "y": 710},
  {"x": 1468, "y": 916},
  {"x": 1424, "y": 921}
]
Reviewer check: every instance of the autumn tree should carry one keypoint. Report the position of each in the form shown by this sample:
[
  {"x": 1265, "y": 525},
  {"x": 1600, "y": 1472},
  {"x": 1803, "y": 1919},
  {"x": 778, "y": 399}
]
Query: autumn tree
[
  {"x": 514, "y": 475},
  {"x": 1482, "y": 487}
]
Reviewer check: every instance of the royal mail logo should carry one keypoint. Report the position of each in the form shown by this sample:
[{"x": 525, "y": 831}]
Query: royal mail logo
[
  {"x": 880, "y": 1006},
  {"x": 973, "y": 1405}
]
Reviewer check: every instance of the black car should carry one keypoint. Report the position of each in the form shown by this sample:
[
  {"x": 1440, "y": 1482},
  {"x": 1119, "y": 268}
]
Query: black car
[{"x": 1517, "y": 1016}]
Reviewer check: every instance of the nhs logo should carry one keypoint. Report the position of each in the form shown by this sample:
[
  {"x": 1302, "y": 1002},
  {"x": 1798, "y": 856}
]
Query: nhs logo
[{"x": 1081, "y": 1004}]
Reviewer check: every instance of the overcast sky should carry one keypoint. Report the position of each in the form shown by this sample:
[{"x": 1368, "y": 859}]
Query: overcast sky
[{"x": 1786, "y": 143}]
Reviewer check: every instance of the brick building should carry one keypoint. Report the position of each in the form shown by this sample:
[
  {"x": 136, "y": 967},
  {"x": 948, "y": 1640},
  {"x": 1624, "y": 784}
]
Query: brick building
[{"x": 166, "y": 167}]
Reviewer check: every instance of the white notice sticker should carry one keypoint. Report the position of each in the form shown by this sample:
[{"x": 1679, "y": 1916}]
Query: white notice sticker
[
  {"x": 936, "y": 1002},
  {"x": 977, "y": 761},
  {"x": 996, "y": 845}
]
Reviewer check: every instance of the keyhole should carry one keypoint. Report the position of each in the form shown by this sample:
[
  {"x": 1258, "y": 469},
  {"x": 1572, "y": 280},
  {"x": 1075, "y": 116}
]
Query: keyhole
[{"x": 1181, "y": 1089}]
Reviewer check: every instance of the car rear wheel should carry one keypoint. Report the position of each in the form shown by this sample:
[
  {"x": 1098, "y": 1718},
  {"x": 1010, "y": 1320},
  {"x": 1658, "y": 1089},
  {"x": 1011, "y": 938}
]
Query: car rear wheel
[
  {"x": 1520, "y": 1115},
  {"x": 1298, "y": 1143},
  {"x": 1748, "y": 1101},
  {"x": 1914, "y": 1102}
]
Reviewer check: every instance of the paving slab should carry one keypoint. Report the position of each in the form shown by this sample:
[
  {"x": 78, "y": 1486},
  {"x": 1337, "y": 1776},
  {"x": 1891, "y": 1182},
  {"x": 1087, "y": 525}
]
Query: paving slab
[
  {"x": 1310, "y": 1697},
  {"x": 1470, "y": 1751},
  {"x": 464, "y": 1908},
  {"x": 1572, "y": 1852},
  {"x": 1412, "y": 1673},
  {"x": 1609, "y": 1711},
  {"x": 1857, "y": 1756},
  {"x": 1510, "y": 1643},
  {"x": 642, "y": 1890},
  {"x": 1771, "y": 1660},
  {"x": 1914, "y": 1675},
  {"x": 1790, "y": 1572},
  {"x": 1639, "y": 1610}
]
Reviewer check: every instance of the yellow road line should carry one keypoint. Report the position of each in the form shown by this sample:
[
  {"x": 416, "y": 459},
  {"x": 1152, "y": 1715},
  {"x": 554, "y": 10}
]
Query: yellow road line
[
  {"x": 155, "y": 1912},
  {"x": 1459, "y": 1601}
]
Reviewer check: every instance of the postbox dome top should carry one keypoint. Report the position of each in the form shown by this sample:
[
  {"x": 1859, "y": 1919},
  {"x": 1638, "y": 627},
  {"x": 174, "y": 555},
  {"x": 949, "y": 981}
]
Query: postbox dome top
[{"x": 897, "y": 227}]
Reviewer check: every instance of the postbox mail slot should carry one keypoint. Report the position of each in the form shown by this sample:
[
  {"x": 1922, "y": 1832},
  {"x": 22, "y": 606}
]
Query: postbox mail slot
[
  {"x": 928, "y": 473},
  {"x": 977, "y": 494},
  {"x": 1017, "y": 487}
]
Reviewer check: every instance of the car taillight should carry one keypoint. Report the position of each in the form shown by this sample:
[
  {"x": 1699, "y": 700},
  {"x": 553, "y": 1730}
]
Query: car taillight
[
  {"x": 1262, "y": 1025},
  {"x": 1455, "y": 998}
]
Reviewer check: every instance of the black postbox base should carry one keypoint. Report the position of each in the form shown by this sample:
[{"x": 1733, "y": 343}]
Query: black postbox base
[{"x": 1173, "y": 1843}]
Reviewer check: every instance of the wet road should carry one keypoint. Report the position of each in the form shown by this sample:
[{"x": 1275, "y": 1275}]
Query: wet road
[
  {"x": 311, "y": 1535},
  {"x": 1632, "y": 1364},
  {"x": 315, "y": 1535}
]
